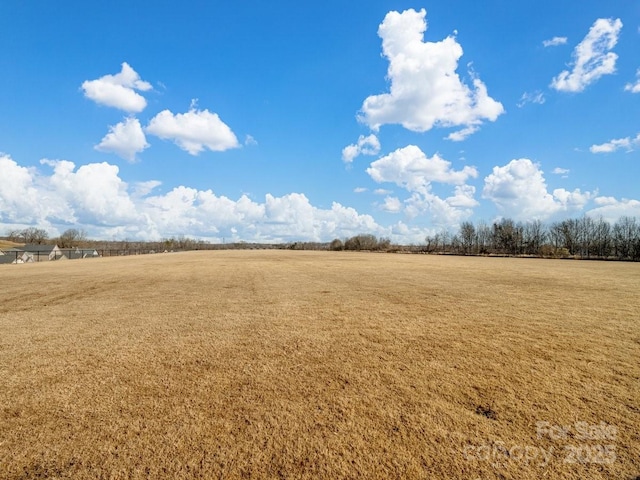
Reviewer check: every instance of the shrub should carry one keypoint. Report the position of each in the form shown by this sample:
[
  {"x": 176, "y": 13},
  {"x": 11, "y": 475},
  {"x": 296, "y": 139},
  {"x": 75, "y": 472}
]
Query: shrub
[
  {"x": 336, "y": 245},
  {"x": 366, "y": 242}
]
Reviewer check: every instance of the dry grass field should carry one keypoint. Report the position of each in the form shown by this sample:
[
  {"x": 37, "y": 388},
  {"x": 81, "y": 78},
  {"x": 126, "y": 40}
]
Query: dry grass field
[
  {"x": 8, "y": 244},
  {"x": 275, "y": 364}
]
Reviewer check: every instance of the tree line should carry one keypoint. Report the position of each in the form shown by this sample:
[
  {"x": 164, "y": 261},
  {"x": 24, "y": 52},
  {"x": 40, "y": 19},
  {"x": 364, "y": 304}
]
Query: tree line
[
  {"x": 77, "y": 238},
  {"x": 585, "y": 237}
]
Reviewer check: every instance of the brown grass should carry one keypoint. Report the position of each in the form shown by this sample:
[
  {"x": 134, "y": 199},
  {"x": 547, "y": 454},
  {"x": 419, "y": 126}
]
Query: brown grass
[
  {"x": 6, "y": 244},
  {"x": 272, "y": 364}
]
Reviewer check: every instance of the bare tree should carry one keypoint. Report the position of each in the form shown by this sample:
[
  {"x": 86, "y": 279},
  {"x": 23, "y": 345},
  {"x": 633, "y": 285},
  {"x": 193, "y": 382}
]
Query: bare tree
[
  {"x": 14, "y": 235},
  {"x": 483, "y": 237},
  {"x": 34, "y": 235},
  {"x": 72, "y": 237},
  {"x": 586, "y": 235},
  {"x": 602, "y": 238},
  {"x": 626, "y": 238},
  {"x": 534, "y": 236},
  {"x": 566, "y": 234},
  {"x": 429, "y": 240},
  {"x": 507, "y": 236},
  {"x": 468, "y": 238}
]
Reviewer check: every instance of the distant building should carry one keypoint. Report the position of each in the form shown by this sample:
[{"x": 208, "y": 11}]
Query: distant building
[
  {"x": 42, "y": 253},
  {"x": 14, "y": 255},
  {"x": 6, "y": 259},
  {"x": 76, "y": 253}
]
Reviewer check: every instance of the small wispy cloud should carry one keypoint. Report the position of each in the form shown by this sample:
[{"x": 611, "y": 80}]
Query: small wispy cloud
[
  {"x": 536, "y": 97},
  {"x": 614, "y": 145},
  {"x": 555, "y": 41},
  {"x": 460, "y": 135},
  {"x": 364, "y": 146},
  {"x": 634, "y": 87}
]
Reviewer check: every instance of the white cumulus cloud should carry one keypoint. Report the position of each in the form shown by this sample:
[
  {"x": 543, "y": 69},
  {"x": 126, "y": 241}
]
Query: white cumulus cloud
[
  {"x": 391, "y": 205},
  {"x": 411, "y": 169},
  {"x": 592, "y": 58},
  {"x": 369, "y": 145},
  {"x": 463, "y": 197},
  {"x": 93, "y": 194},
  {"x": 626, "y": 143},
  {"x": 125, "y": 139},
  {"x": 425, "y": 90},
  {"x": 444, "y": 213},
  {"x": 96, "y": 197},
  {"x": 19, "y": 200},
  {"x": 285, "y": 218},
  {"x": 611, "y": 209},
  {"x": 519, "y": 190},
  {"x": 634, "y": 87},
  {"x": 142, "y": 189},
  {"x": 118, "y": 91},
  {"x": 555, "y": 41},
  {"x": 193, "y": 131}
]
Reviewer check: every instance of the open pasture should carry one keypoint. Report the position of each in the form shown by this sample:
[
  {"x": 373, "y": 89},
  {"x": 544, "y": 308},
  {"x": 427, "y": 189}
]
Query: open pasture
[{"x": 277, "y": 364}]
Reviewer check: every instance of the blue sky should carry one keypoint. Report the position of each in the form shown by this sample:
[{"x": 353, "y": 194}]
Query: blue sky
[{"x": 273, "y": 121}]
